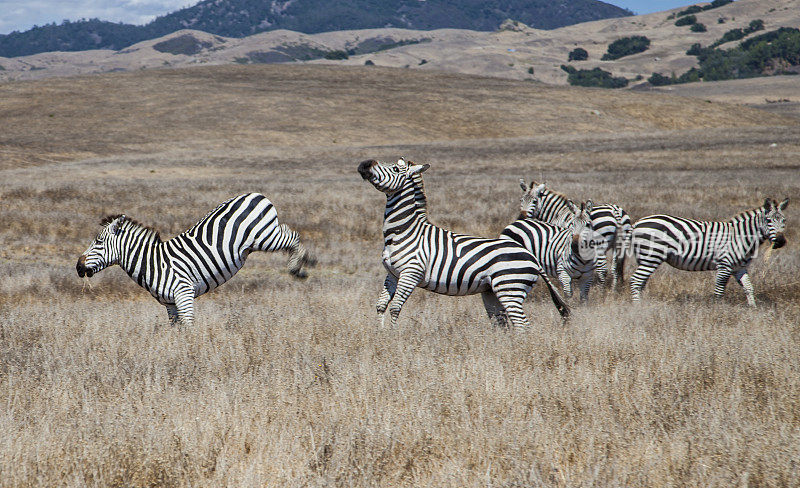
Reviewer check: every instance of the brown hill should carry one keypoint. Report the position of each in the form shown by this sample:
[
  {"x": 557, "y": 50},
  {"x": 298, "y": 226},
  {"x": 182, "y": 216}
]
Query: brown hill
[
  {"x": 507, "y": 54},
  {"x": 290, "y": 105}
]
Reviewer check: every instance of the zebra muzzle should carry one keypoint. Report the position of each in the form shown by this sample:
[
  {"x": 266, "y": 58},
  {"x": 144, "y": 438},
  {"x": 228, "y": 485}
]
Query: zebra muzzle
[
  {"x": 82, "y": 269},
  {"x": 779, "y": 241}
]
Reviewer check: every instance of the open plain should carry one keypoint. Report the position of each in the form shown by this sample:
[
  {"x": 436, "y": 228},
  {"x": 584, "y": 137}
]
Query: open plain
[{"x": 292, "y": 383}]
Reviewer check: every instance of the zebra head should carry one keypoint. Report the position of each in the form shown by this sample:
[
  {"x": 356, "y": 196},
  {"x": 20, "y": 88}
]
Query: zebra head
[
  {"x": 105, "y": 250},
  {"x": 585, "y": 242},
  {"x": 775, "y": 222},
  {"x": 530, "y": 203},
  {"x": 389, "y": 178}
]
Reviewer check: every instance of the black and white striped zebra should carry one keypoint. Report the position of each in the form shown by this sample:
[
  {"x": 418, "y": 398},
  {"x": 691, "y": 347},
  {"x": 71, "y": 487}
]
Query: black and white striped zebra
[
  {"x": 567, "y": 253},
  {"x": 177, "y": 271},
  {"x": 609, "y": 221},
  {"x": 695, "y": 245},
  {"x": 419, "y": 254}
]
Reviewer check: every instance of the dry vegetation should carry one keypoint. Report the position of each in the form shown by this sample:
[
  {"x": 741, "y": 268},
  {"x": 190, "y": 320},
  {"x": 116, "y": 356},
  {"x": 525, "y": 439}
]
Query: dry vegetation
[{"x": 289, "y": 383}]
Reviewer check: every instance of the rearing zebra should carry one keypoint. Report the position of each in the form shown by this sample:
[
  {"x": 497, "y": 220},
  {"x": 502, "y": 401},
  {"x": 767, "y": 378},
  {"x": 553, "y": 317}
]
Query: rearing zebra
[
  {"x": 177, "y": 271},
  {"x": 419, "y": 254},
  {"x": 564, "y": 253},
  {"x": 609, "y": 221},
  {"x": 695, "y": 245}
]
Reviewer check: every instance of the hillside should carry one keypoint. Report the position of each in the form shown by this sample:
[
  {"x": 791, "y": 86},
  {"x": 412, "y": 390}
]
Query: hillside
[
  {"x": 288, "y": 105},
  {"x": 240, "y": 18},
  {"x": 510, "y": 53}
]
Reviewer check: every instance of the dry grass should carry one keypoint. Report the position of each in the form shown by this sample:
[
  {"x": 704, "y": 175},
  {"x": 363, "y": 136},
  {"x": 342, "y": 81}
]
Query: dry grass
[{"x": 288, "y": 383}]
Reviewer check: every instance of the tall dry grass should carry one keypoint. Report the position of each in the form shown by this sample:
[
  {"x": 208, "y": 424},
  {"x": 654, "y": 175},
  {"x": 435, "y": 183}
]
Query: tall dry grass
[{"x": 289, "y": 383}]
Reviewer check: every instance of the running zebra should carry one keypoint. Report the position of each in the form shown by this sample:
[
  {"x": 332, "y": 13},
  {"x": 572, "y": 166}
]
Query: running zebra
[
  {"x": 609, "y": 221},
  {"x": 694, "y": 245},
  {"x": 419, "y": 254},
  {"x": 198, "y": 260},
  {"x": 564, "y": 253}
]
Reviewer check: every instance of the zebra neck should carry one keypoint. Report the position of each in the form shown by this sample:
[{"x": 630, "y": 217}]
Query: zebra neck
[
  {"x": 404, "y": 210},
  {"x": 554, "y": 210},
  {"x": 749, "y": 224},
  {"x": 139, "y": 253}
]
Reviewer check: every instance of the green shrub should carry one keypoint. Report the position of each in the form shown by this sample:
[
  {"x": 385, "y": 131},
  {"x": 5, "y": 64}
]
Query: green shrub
[
  {"x": 336, "y": 55},
  {"x": 626, "y": 46},
  {"x": 695, "y": 50},
  {"x": 530, "y": 70},
  {"x": 698, "y": 27},
  {"x": 578, "y": 54},
  {"x": 688, "y": 20},
  {"x": 593, "y": 78},
  {"x": 657, "y": 79},
  {"x": 691, "y": 10}
]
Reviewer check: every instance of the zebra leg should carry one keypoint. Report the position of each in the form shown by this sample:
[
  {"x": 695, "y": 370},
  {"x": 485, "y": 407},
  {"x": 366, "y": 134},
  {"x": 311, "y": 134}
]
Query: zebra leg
[
  {"x": 744, "y": 279},
  {"x": 287, "y": 239},
  {"x": 408, "y": 280},
  {"x": 172, "y": 311},
  {"x": 495, "y": 309},
  {"x": 640, "y": 277},
  {"x": 723, "y": 275},
  {"x": 566, "y": 281},
  {"x": 601, "y": 268},
  {"x": 389, "y": 287},
  {"x": 184, "y": 304},
  {"x": 584, "y": 283}
]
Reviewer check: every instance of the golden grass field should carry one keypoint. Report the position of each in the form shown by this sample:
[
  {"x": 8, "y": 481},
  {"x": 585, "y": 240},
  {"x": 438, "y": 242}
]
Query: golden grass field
[{"x": 292, "y": 383}]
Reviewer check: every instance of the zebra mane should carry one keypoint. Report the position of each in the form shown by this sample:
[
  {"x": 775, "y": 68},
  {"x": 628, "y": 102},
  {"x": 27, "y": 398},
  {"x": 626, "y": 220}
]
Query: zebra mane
[
  {"x": 747, "y": 213},
  {"x": 135, "y": 223},
  {"x": 555, "y": 194},
  {"x": 420, "y": 199}
]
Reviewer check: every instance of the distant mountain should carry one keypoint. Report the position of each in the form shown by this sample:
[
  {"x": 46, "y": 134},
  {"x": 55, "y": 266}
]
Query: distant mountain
[{"x": 240, "y": 18}]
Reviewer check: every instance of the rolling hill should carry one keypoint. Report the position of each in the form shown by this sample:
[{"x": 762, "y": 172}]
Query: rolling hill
[{"x": 240, "y": 18}]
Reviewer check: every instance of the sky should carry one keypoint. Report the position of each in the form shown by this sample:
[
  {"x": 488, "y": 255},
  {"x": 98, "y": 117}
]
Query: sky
[{"x": 21, "y": 15}]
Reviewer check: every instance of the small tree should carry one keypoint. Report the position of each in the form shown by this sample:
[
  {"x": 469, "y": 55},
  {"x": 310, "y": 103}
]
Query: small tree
[
  {"x": 698, "y": 27},
  {"x": 578, "y": 54},
  {"x": 626, "y": 46},
  {"x": 657, "y": 79},
  {"x": 688, "y": 20}
]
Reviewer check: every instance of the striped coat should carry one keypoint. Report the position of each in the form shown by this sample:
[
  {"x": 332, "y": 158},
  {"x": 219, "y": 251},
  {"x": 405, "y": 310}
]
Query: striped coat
[
  {"x": 694, "y": 245},
  {"x": 610, "y": 222},
  {"x": 419, "y": 254},
  {"x": 177, "y": 271}
]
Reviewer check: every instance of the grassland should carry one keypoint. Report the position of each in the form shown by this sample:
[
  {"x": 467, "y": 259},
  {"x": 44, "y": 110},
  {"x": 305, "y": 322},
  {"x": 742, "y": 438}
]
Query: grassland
[{"x": 289, "y": 383}]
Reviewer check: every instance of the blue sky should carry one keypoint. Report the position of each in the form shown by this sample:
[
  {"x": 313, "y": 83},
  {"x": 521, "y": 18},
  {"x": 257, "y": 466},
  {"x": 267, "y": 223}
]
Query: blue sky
[{"x": 23, "y": 14}]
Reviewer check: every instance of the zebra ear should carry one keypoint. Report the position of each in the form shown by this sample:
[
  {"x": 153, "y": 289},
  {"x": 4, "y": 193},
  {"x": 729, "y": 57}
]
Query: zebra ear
[
  {"x": 115, "y": 227},
  {"x": 589, "y": 205},
  {"x": 539, "y": 189},
  {"x": 416, "y": 169},
  {"x": 767, "y": 204},
  {"x": 572, "y": 207},
  {"x": 782, "y": 206},
  {"x": 523, "y": 185}
]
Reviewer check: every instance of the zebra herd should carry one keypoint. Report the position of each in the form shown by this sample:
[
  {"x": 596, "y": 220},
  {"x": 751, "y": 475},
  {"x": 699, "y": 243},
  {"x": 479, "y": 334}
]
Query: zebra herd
[{"x": 552, "y": 236}]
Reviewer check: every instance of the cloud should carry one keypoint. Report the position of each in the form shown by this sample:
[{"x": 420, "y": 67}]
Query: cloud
[{"x": 21, "y": 15}]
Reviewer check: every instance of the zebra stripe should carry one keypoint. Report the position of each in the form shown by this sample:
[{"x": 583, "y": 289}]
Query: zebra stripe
[
  {"x": 693, "y": 245},
  {"x": 609, "y": 221},
  {"x": 563, "y": 253},
  {"x": 177, "y": 271},
  {"x": 419, "y": 254}
]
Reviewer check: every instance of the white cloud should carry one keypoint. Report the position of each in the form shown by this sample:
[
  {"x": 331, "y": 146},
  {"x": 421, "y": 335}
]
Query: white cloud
[{"x": 21, "y": 15}]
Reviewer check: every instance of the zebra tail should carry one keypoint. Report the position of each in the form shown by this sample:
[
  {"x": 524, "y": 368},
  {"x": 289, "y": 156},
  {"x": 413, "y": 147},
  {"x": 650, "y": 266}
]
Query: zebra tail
[
  {"x": 299, "y": 256},
  {"x": 558, "y": 301},
  {"x": 625, "y": 248}
]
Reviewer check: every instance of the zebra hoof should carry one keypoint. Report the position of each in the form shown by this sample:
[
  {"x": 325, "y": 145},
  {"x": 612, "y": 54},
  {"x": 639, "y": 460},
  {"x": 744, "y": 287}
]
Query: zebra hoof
[{"x": 300, "y": 274}]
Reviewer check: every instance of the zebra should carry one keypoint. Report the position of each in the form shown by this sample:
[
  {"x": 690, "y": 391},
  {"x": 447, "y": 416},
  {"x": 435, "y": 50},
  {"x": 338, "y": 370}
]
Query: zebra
[
  {"x": 418, "y": 253},
  {"x": 694, "y": 245},
  {"x": 564, "y": 253},
  {"x": 180, "y": 269},
  {"x": 609, "y": 221}
]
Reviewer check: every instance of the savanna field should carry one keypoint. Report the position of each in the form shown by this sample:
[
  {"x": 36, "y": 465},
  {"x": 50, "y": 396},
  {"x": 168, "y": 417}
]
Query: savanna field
[{"x": 282, "y": 382}]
